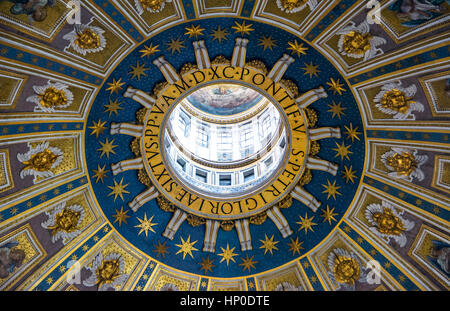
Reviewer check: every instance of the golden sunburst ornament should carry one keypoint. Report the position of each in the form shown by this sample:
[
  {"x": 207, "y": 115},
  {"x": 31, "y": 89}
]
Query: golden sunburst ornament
[
  {"x": 175, "y": 45},
  {"x": 267, "y": 42},
  {"x": 328, "y": 214},
  {"x": 243, "y": 29},
  {"x": 297, "y": 48},
  {"x": 346, "y": 269},
  {"x": 336, "y": 109},
  {"x": 227, "y": 254},
  {"x": 311, "y": 69},
  {"x": 306, "y": 223},
  {"x": 194, "y": 31},
  {"x": 100, "y": 173},
  {"x": 145, "y": 225},
  {"x": 113, "y": 107},
  {"x": 121, "y": 216},
  {"x": 342, "y": 151},
  {"x": 331, "y": 189},
  {"x": 149, "y": 50},
  {"x": 207, "y": 264},
  {"x": 295, "y": 246},
  {"x": 97, "y": 128},
  {"x": 336, "y": 86},
  {"x": 352, "y": 133},
  {"x": 186, "y": 247},
  {"x": 115, "y": 86},
  {"x": 152, "y": 6},
  {"x": 107, "y": 147},
  {"x": 248, "y": 263},
  {"x": 349, "y": 174},
  {"x": 219, "y": 34},
  {"x": 138, "y": 71},
  {"x": 118, "y": 189},
  {"x": 86, "y": 39},
  {"x": 269, "y": 245}
]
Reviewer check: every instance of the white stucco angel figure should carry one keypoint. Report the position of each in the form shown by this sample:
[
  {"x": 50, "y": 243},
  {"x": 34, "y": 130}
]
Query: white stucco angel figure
[
  {"x": 40, "y": 160},
  {"x": 404, "y": 163},
  {"x": 358, "y": 42},
  {"x": 387, "y": 223},
  {"x": 107, "y": 272},
  {"x": 396, "y": 100},
  {"x": 50, "y": 97},
  {"x": 293, "y": 6},
  {"x": 86, "y": 39},
  {"x": 64, "y": 222},
  {"x": 345, "y": 269},
  {"x": 153, "y": 6}
]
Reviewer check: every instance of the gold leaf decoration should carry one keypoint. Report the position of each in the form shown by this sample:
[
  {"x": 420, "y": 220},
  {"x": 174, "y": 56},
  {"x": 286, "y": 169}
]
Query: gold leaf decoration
[
  {"x": 227, "y": 225},
  {"x": 306, "y": 178},
  {"x": 258, "y": 65},
  {"x": 220, "y": 60},
  {"x": 315, "y": 148},
  {"x": 258, "y": 219},
  {"x": 135, "y": 147},
  {"x": 312, "y": 116},
  {"x": 159, "y": 87},
  {"x": 290, "y": 86},
  {"x": 140, "y": 115},
  {"x": 165, "y": 204},
  {"x": 144, "y": 179},
  {"x": 195, "y": 220},
  {"x": 286, "y": 202},
  {"x": 187, "y": 67}
]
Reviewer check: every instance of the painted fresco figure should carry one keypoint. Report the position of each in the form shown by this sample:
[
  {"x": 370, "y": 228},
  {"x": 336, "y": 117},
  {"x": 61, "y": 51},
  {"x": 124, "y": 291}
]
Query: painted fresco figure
[
  {"x": 10, "y": 258},
  {"x": 35, "y": 9},
  {"x": 416, "y": 12},
  {"x": 440, "y": 256}
]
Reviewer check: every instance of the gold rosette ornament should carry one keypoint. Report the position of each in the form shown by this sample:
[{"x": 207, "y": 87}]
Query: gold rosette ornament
[
  {"x": 357, "y": 42},
  {"x": 293, "y": 6},
  {"x": 396, "y": 100},
  {"x": 345, "y": 269},
  {"x": 152, "y": 6},
  {"x": 86, "y": 39},
  {"x": 106, "y": 272},
  {"x": 387, "y": 223},
  {"x": 40, "y": 160},
  {"x": 64, "y": 222},
  {"x": 404, "y": 163},
  {"x": 51, "y": 97}
]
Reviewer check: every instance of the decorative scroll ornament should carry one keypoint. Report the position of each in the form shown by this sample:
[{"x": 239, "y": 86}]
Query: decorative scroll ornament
[
  {"x": 153, "y": 6},
  {"x": 50, "y": 97},
  {"x": 357, "y": 42},
  {"x": 287, "y": 287},
  {"x": 396, "y": 100},
  {"x": 345, "y": 269},
  {"x": 86, "y": 39},
  {"x": 40, "y": 160},
  {"x": 106, "y": 272},
  {"x": 404, "y": 163},
  {"x": 387, "y": 223},
  {"x": 293, "y": 6},
  {"x": 64, "y": 222}
]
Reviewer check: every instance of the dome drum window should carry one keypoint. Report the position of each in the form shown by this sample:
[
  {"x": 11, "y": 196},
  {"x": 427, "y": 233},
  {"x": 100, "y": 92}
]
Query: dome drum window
[{"x": 225, "y": 154}]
